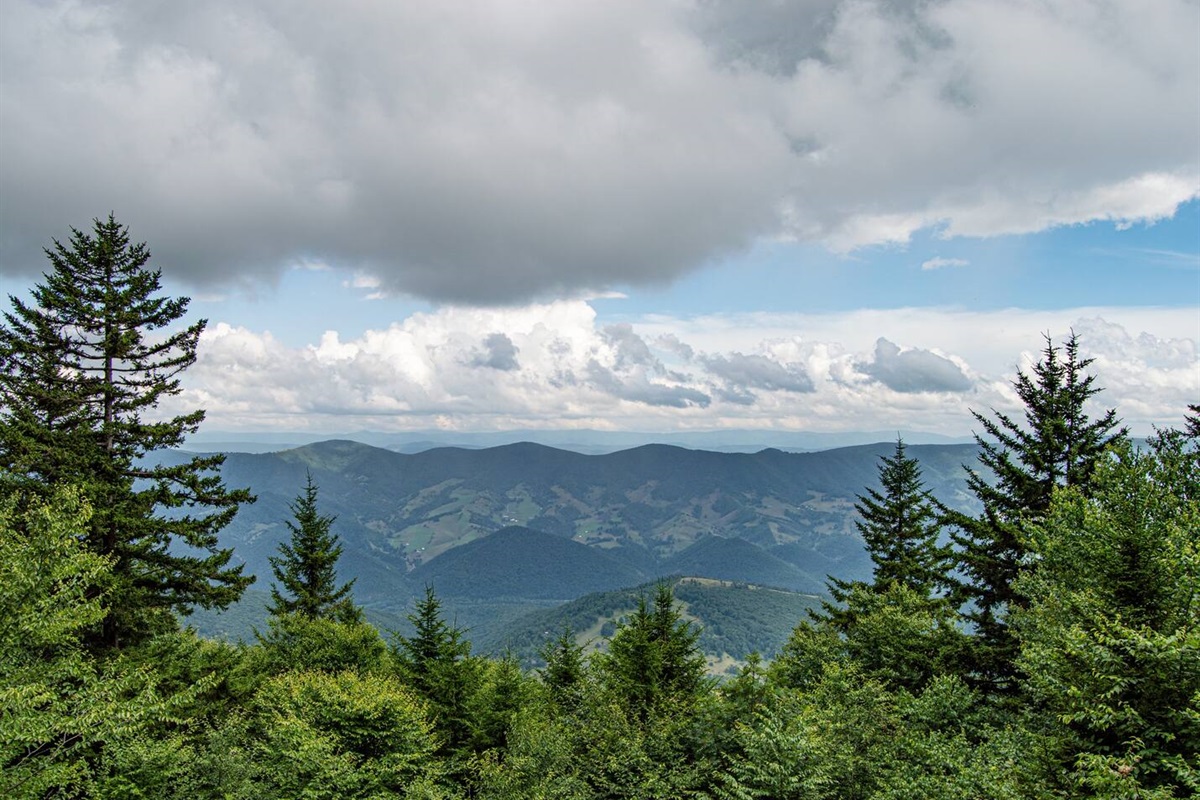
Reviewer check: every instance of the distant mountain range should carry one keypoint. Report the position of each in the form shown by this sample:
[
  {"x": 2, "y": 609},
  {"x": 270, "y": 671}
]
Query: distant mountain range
[
  {"x": 530, "y": 522},
  {"x": 580, "y": 441}
]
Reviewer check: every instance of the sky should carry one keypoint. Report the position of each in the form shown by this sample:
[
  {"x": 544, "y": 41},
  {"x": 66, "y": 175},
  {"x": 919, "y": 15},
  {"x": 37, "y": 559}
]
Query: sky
[{"x": 657, "y": 216}]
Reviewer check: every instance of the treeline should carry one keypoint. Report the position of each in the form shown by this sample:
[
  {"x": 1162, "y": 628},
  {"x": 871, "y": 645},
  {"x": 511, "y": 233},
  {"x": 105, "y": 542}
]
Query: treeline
[{"x": 1047, "y": 647}]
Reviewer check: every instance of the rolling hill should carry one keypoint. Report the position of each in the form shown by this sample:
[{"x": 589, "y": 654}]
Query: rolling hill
[
  {"x": 517, "y": 562},
  {"x": 740, "y": 560}
]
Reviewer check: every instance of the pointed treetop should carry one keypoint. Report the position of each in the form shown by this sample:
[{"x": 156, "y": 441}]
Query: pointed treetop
[{"x": 306, "y": 567}]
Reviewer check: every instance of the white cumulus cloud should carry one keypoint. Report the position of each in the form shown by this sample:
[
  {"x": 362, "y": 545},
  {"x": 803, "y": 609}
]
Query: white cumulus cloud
[{"x": 554, "y": 365}]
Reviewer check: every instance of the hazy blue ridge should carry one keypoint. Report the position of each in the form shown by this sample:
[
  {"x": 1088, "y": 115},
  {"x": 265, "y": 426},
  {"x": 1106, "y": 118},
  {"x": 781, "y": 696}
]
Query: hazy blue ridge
[{"x": 502, "y": 530}]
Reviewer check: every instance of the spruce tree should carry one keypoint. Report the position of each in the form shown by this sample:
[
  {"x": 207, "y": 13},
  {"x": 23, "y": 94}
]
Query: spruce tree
[
  {"x": 1057, "y": 444},
  {"x": 565, "y": 673},
  {"x": 436, "y": 661},
  {"x": 653, "y": 661},
  {"x": 83, "y": 367},
  {"x": 899, "y": 523},
  {"x": 306, "y": 567},
  {"x": 899, "y": 628},
  {"x": 434, "y": 642}
]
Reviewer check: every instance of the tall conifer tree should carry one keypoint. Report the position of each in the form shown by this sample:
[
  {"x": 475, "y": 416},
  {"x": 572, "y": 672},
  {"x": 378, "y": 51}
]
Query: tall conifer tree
[
  {"x": 1191, "y": 424},
  {"x": 306, "y": 566},
  {"x": 899, "y": 627},
  {"x": 1057, "y": 444},
  {"x": 83, "y": 367},
  {"x": 899, "y": 524}
]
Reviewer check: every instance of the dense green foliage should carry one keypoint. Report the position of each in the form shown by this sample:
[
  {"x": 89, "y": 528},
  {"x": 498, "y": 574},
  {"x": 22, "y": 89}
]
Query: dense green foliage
[
  {"x": 871, "y": 699},
  {"x": 1110, "y": 642},
  {"x": 82, "y": 369},
  {"x": 320, "y": 708},
  {"x": 652, "y": 663}
]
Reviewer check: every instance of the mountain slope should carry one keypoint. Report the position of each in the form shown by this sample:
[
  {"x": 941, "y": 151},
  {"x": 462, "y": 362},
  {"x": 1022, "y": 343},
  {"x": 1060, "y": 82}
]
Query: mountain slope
[
  {"x": 517, "y": 562},
  {"x": 735, "y": 619},
  {"x": 740, "y": 560}
]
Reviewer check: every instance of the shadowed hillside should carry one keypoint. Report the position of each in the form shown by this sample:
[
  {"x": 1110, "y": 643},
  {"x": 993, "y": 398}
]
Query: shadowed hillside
[{"x": 518, "y": 562}]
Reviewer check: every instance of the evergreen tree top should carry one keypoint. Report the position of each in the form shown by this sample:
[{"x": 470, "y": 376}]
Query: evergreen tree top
[
  {"x": 900, "y": 525},
  {"x": 306, "y": 568},
  {"x": 1057, "y": 444},
  {"x": 433, "y": 640}
]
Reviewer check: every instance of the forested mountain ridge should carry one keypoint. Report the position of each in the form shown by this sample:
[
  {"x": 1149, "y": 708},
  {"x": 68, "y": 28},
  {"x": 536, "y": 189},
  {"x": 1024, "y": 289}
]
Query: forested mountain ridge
[
  {"x": 644, "y": 508},
  {"x": 519, "y": 562}
]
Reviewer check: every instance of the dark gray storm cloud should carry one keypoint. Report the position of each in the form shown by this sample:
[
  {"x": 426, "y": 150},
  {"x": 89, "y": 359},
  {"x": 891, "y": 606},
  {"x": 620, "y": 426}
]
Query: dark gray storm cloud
[
  {"x": 743, "y": 372},
  {"x": 774, "y": 37},
  {"x": 498, "y": 153},
  {"x": 442, "y": 149},
  {"x": 498, "y": 352},
  {"x": 913, "y": 370}
]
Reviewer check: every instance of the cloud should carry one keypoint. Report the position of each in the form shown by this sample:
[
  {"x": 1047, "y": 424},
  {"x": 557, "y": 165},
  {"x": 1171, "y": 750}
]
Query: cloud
[
  {"x": 460, "y": 153},
  {"x": 805, "y": 372},
  {"x": 1149, "y": 378},
  {"x": 639, "y": 389},
  {"x": 913, "y": 370},
  {"x": 672, "y": 344},
  {"x": 744, "y": 372},
  {"x": 631, "y": 349},
  {"x": 370, "y": 283},
  {"x": 498, "y": 353},
  {"x": 1171, "y": 258},
  {"x": 513, "y": 151},
  {"x": 939, "y": 263}
]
